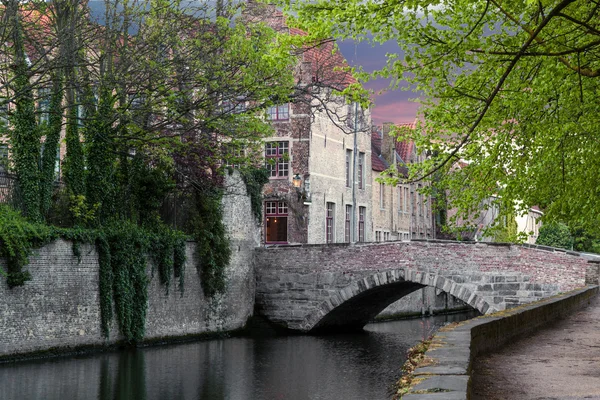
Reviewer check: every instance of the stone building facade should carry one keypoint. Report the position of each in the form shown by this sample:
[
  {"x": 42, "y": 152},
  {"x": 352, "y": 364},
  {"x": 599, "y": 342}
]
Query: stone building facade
[
  {"x": 401, "y": 212},
  {"x": 319, "y": 157}
]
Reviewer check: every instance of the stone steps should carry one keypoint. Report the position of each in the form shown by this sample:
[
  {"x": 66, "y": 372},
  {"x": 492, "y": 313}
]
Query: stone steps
[{"x": 502, "y": 292}]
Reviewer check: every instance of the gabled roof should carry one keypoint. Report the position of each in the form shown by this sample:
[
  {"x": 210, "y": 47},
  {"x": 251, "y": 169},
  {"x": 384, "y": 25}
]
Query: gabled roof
[
  {"x": 328, "y": 65},
  {"x": 407, "y": 147},
  {"x": 377, "y": 161}
]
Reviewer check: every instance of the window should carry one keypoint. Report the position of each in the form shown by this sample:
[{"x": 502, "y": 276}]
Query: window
[
  {"x": 348, "y": 163},
  {"x": 276, "y": 215},
  {"x": 386, "y": 236},
  {"x": 237, "y": 106},
  {"x": 406, "y": 199},
  {"x": 330, "y": 222},
  {"x": 361, "y": 223},
  {"x": 382, "y": 196},
  {"x": 279, "y": 113},
  {"x": 234, "y": 155},
  {"x": 361, "y": 168},
  {"x": 3, "y": 112},
  {"x": 56, "y": 160},
  {"x": 378, "y": 236},
  {"x": 420, "y": 201},
  {"x": 277, "y": 159},
  {"x": 44, "y": 95},
  {"x": 347, "y": 224}
]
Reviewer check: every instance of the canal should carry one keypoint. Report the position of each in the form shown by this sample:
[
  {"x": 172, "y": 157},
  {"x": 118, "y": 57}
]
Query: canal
[{"x": 357, "y": 366}]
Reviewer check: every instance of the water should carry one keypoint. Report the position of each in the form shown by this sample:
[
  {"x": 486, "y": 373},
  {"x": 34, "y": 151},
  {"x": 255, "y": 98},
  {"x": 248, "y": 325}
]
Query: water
[{"x": 358, "y": 366}]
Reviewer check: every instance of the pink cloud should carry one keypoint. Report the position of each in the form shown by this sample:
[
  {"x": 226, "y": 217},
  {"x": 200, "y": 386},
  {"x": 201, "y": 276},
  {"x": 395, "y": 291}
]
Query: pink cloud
[
  {"x": 398, "y": 112},
  {"x": 390, "y": 105}
]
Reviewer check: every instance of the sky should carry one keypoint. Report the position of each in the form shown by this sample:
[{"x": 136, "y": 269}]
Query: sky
[{"x": 391, "y": 105}]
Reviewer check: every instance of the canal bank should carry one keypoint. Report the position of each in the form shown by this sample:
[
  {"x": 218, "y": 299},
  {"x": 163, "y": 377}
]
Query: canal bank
[
  {"x": 561, "y": 361},
  {"x": 449, "y": 369}
]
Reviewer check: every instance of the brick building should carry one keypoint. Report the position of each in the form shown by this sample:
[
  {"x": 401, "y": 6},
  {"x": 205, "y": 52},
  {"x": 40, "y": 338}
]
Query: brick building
[{"x": 319, "y": 157}]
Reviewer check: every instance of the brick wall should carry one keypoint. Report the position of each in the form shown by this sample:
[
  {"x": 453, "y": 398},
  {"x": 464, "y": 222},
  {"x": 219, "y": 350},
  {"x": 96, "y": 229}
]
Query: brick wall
[{"x": 59, "y": 307}]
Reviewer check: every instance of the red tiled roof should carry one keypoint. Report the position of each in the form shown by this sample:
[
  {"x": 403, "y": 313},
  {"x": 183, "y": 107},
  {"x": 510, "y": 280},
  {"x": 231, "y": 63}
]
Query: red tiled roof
[
  {"x": 328, "y": 65},
  {"x": 377, "y": 162}
]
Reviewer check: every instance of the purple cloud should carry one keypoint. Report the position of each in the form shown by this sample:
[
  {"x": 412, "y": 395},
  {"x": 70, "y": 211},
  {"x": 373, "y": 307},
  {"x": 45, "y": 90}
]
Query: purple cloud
[{"x": 390, "y": 105}]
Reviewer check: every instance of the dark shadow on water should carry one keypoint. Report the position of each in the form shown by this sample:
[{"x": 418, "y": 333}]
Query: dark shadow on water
[{"x": 266, "y": 366}]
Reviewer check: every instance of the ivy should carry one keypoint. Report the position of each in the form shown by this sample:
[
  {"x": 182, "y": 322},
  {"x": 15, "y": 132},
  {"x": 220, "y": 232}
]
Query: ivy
[
  {"x": 213, "y": 251},
  {"x": 105, "y": 284},
  {"x": 167, "y": 248},
  {"x": 51, "y": 145},
  {"x": 122, "y": 251},
  {"x": 74, "y": 166},
  {"x": 130, "y": 283},
  {"x": 25, "y": 139},
  {"x": 255, "y": 179},
  {"x": 17, "y": 237}
]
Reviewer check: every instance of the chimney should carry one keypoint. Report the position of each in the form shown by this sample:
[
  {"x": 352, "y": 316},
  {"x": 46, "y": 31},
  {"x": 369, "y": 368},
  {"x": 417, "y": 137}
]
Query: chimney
[{"x": 388, "y": 143}]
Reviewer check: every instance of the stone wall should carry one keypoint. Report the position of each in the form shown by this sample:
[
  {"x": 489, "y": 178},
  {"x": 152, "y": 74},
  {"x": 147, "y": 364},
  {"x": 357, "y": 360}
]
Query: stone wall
[
  {"x": 60, "y": 307},
  {"x": 426, "y": 301},
  {"x": 455, "y": 349},
  {"x": 310, "y": 286},
  {"x": 544, "y": 264}
]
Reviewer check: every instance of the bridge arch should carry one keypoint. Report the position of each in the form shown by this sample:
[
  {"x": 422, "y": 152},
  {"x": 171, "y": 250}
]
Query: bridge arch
[{"x": 358, "y": 303}]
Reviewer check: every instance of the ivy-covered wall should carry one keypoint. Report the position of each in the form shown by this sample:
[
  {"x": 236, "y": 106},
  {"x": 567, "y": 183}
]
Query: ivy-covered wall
[{"x": 59, "y": 308}]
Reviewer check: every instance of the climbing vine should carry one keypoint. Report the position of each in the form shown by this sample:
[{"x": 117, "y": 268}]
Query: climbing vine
[
  {"x": 167, "y": 248},
  {"x": 213, "y": 251},
  {"x": 130, "y": 282},
  {"x": 255, "y": 179},
  {"x": 17, "y": 237}
]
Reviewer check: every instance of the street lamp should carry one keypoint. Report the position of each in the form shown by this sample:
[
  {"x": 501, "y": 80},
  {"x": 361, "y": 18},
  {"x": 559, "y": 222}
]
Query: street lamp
[{"x": 297, "y": 181}]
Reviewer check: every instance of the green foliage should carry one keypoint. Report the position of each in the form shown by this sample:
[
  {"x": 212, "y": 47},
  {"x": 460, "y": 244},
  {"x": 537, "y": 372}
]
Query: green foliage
[
  {"x": 83, "y": 214},
  {"x": 17, "y": 237},
  {"x": 51, "y": 145},
  {"x": 167, "y": 248},
  {"x": 105, "y": 284},
  {"x": 555, "y": 234},
  {"x": 213, "y": 251},
  {"x": 128, "y": 246},
  {"x": 25, "y": 141},
  {"x": 511, "y": 87},
  {"x": 255, "y": 179},
  {"x": 584, "y": 240},
  {"x": 101, "y": 181},
  {"x": 507, "y": 230}
]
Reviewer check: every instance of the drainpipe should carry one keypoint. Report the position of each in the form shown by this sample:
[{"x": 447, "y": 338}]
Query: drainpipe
[{"x": 354, "y": 209}]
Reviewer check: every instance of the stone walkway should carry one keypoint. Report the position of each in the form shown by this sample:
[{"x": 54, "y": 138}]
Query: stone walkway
[{"x": 561, "y": 362}]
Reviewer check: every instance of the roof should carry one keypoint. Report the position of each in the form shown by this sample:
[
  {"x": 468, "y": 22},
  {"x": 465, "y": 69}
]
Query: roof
[
  {"x": 402, "y": 153},
  {"x": 406, "y": 147},
  {"x": 328, "y": 65},
  {"x": 377, "y": 161}
]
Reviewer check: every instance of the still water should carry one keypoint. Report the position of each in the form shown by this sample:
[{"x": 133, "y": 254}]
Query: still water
[{"x": 358, "y": 366}]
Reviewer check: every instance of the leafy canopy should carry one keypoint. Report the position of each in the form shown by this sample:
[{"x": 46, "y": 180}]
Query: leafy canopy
[{"x": 509, "y": 86}]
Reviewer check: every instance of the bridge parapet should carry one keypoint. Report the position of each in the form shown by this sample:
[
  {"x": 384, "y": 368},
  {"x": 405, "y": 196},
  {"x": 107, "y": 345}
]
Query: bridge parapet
[{"x": 313, "y": 287}]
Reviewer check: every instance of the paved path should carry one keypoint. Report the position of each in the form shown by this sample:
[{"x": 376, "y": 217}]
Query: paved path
[{"x": 561, "y": 362}]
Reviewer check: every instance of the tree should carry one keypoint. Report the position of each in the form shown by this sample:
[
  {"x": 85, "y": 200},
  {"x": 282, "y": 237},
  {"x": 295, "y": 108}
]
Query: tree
[
  {"x": 509, "y": 86},
  {"x": 555, "y": 234}
]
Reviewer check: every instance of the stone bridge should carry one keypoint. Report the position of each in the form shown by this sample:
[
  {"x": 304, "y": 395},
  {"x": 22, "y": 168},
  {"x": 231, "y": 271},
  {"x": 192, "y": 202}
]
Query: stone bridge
[{"x": 313, "y": 288}]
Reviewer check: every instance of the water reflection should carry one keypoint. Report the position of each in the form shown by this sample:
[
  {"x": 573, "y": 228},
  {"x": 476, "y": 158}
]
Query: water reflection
[{"x": 346, "y": 366}]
